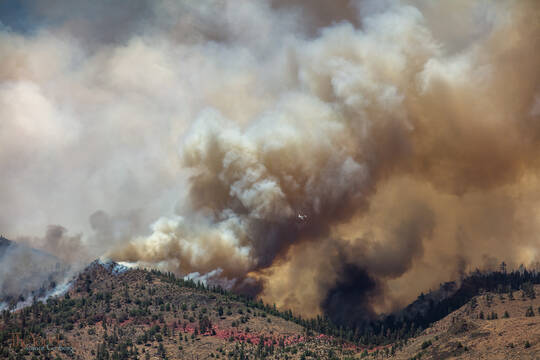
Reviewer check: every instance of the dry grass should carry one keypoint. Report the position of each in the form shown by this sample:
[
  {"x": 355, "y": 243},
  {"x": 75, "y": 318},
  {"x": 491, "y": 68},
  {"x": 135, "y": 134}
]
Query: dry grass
[{"x": 463, "y": 335}]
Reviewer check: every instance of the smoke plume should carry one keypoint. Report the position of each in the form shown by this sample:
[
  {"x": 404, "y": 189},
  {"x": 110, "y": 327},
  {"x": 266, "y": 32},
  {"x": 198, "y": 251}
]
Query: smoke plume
[{"x": 316, "y": 154}]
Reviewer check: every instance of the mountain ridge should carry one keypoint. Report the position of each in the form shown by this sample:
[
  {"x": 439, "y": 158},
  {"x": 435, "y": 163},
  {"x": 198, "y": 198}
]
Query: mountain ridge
[
  {"x": 27, "y": 273},
  {"x": 132, "y": 312}
]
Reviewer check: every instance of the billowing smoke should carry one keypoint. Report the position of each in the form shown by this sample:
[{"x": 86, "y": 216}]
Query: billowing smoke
[
  {"x": 348, "y": 301},
  {"x": 317, "y": 154}
]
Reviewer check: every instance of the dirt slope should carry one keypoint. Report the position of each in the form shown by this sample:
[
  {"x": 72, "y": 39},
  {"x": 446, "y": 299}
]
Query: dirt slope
[{"x": 465, "y": 335}]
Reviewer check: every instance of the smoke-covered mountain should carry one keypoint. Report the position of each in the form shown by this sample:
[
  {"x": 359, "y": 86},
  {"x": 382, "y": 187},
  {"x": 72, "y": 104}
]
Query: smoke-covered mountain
[
  {"x": 7, "y": 247},
  {"x": 27, "y": 273},
  {"x": 4, "y": 244}
]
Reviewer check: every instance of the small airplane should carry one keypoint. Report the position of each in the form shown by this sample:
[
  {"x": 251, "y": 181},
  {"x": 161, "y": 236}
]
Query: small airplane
[{"x": 302, "y": 217}]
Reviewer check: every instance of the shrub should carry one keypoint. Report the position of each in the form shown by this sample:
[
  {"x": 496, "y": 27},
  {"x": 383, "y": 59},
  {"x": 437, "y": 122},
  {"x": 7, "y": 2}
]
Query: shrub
[{"x": 205, "y": 324}]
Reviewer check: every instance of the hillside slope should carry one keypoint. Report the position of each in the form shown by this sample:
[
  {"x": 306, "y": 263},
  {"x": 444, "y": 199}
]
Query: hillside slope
[
  {"x": 489, "y": 326},
  {"x": 118, "y": 313},
  {"x": 112, "y": 312}
]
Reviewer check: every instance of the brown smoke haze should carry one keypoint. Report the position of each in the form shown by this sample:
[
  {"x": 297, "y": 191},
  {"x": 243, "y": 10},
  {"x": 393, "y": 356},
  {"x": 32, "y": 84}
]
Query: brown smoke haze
[{"x": 312, "y": 153}]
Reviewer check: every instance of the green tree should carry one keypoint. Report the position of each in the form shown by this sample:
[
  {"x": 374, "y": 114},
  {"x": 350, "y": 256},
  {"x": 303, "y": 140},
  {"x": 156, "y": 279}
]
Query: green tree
[{"x": 205, "y": 324}]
